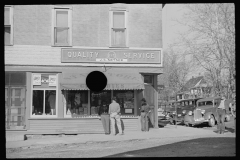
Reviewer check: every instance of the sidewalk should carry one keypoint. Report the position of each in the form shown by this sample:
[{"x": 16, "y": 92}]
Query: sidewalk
[{"x": 169, "y": 131}]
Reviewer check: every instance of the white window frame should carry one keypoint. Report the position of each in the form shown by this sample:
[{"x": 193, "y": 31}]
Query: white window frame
[
  {"x": 31, "y": 99},
  {"x": 111, "y": 10},
  {"x": 62, "y": 8},
  {"x": 11, "y": 25}
]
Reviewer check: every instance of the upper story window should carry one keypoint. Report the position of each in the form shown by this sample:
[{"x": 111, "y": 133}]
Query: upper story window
[
  {"x": 8, "y": 25},
  {"x": 62, "y": 26},
  {"x": 118, "y": 27}
]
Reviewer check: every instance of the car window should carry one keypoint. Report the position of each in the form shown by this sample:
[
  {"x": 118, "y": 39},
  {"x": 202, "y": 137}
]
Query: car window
[
  {"x": 190, "y": 102},
  {"x": 209, "y": 103}
]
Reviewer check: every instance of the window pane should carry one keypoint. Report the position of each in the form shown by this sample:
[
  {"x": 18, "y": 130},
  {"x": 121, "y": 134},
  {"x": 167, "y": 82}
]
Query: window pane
[
  {"x": 62, "y": 18},
  {"x": 118, "y": 20},
  {"x": 7, "y": 33},
  {"x": 125, "y": 100},
  {"x": 37, "y": 106},
  {"x": 6, "y": 16},
  {"x": 50, "y": 102},
  {"x": 148, "y": 79},
  {"x": 77, "y": 103},
  {"x": 61, "y": 35},
  {"x": 118, "y": 37},
  {"x": 97, "y": 100}
]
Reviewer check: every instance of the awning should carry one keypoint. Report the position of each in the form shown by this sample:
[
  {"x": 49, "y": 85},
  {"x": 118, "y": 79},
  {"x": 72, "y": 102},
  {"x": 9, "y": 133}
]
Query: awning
[{"x": 117, "y": 79}]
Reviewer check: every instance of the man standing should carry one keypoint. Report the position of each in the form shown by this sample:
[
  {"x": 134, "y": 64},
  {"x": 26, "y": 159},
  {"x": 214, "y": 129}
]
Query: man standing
[
  {"x": 103, "y": 112},
  {"x": 145, "y": 110},
  {"x": 221, "y": 116},
  {"x": 114, "y": 111}
]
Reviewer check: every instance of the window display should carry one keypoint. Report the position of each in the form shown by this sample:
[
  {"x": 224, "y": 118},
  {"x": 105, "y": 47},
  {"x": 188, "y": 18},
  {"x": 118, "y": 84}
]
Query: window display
[
  {"x": 125, "y": 98},
  {"x": 77, "y": 103},
  {"x": 96, "y": 100},
  {"x": 44, "y": 94}
]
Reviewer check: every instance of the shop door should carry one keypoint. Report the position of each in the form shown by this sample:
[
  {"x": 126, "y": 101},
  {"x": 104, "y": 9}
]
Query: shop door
[
  {"x": 149, "y": 95},
  {"x": 15, "y": 107}
]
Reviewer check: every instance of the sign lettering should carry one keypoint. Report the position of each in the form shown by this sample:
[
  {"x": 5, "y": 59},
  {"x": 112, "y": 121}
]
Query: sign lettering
[{"x": 110, "y": 55}]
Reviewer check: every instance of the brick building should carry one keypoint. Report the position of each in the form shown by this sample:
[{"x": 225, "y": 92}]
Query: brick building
[{"x": 50, "y": 50}]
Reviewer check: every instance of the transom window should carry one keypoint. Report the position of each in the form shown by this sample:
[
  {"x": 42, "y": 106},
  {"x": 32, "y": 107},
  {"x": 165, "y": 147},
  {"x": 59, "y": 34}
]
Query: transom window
[
  {"x": 62, "y": 30},
  {"x": 8, "y": 27},
  {"x": 118, "y": 28}
]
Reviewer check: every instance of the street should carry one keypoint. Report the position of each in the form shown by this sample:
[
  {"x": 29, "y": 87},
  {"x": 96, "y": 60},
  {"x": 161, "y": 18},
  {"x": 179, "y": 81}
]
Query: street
[{"x": 152, "y": 147}]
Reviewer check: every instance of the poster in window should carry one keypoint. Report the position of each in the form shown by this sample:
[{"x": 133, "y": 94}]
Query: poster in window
[
  {"x": 52, "y": 80},
  {"x": 36, "y": 79},
  {"x": 128, "y": 110}
]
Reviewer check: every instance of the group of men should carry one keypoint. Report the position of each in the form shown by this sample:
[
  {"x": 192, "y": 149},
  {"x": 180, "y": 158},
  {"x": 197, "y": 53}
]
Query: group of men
[{"x": 113, "y": 114}]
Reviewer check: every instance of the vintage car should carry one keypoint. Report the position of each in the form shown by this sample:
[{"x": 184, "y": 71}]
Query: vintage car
[
  {"x": 205, "y": 112},
  {"x": 183, "y": 107}
]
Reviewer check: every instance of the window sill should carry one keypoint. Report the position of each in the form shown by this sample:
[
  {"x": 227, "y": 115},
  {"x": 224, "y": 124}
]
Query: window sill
[
  {"x": 117, "y": 47},
  {"x": 61, "y": 46}
]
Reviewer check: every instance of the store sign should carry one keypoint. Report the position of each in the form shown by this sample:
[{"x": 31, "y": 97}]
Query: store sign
[
  {"x": 36, "y": 79},
  {"x": 110, "y": 55}
]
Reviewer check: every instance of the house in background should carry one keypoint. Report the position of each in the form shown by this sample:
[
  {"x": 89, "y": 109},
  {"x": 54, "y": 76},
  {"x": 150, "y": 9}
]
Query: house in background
[{"x": 195, "y": 87}]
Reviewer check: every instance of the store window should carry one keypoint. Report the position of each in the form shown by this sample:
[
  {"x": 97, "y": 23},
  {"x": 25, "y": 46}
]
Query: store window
[
  {"x": 62, "y": 30},
  {"x": 15, "y": 100},
  {"x": 44, "y": 95},
  {"x": 118, "y": 27},
  {"x": 125, "y": 98},
  {"x": 97, "y": 98},
  {"x": 76, "y": 103},
  {"x": 8, "y": 25}
]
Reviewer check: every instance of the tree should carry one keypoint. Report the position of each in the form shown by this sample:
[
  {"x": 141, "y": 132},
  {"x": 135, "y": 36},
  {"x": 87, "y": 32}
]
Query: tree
[
  {"x": 176, "y": 71},
  {"x": 211, "y": 41}
]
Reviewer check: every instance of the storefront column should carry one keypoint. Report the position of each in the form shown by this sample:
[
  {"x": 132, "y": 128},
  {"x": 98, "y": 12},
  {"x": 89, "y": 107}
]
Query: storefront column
[
  {"x": 89, "y": 99},
  {"x": 155, "y": 102},
  {"x": 28, "y": 100},
  {"x": 135, "y": 103},
  {"x": 60, "y": 110}
]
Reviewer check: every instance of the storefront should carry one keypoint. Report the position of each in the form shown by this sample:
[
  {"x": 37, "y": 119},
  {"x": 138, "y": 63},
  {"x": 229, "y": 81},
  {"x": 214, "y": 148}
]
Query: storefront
[{"x": 56, "y": 99}]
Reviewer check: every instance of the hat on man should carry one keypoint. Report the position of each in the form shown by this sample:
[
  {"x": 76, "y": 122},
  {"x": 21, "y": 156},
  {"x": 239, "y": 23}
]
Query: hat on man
[{"x": 143, "y": 99}]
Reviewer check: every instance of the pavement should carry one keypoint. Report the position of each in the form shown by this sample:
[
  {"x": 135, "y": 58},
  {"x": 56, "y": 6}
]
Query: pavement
[{"x": 19, "y": 139}]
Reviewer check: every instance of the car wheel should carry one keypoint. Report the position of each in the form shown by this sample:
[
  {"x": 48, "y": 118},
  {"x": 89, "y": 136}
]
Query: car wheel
[
  {"x": 227, "y": 118},
  {"x": 211, "y": 121}
]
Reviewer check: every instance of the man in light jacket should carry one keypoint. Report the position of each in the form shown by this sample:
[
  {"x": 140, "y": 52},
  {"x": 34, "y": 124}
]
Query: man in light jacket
[{"x": 114, "y": 111}]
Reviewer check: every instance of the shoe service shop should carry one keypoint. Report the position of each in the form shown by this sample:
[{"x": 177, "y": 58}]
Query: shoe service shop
[{"x": 42, "y": 98}]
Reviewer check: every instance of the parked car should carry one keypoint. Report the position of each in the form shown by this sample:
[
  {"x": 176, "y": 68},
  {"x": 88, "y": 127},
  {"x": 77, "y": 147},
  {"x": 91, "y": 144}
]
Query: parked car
[
  {"x": 183, "y": 107},
  {"x": 205, "y": 112}
]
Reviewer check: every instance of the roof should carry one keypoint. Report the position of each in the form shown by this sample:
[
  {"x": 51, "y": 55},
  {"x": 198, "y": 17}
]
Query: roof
[
  {"x": 191, "y": 83},
  {"x": 208, "y": 99}
]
